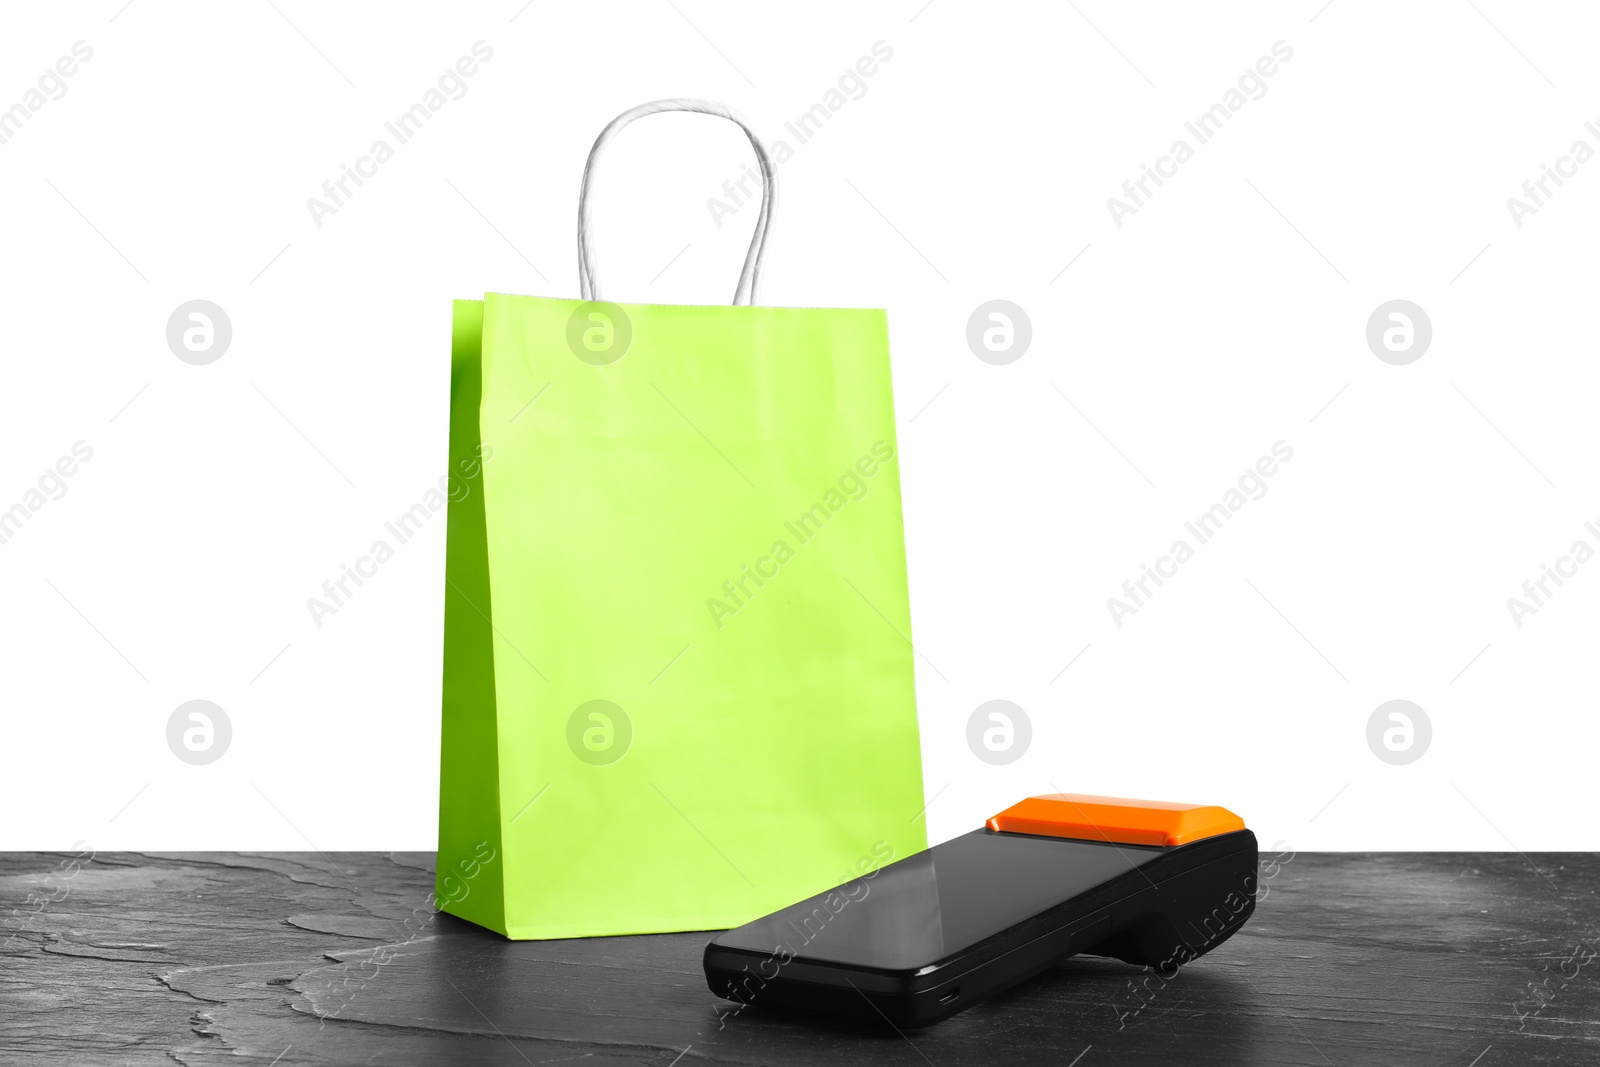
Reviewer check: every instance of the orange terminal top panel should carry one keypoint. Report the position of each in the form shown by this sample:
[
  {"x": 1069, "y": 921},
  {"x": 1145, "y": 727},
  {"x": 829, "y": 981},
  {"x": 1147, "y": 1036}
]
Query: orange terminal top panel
[{"x": 1115, "y": 819}]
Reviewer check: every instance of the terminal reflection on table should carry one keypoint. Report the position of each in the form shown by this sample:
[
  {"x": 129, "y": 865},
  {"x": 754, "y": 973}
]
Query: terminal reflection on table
[{"x": 1148, "y": 882}]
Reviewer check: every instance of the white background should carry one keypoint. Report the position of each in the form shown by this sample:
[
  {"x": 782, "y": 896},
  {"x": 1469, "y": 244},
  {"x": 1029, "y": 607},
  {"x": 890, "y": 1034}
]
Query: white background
[{"x": 1227, "y": 314}]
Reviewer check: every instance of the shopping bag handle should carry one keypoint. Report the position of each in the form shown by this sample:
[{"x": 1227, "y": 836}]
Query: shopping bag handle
[{"x": 750, "y": 277}]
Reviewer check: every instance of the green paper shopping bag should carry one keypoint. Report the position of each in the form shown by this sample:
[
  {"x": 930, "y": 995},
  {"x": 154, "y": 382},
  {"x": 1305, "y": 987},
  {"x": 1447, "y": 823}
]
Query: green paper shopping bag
[{"x": 678, "y": 678}]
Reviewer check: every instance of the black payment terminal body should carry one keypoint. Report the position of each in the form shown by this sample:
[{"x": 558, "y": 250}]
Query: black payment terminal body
[{"x": 918, "y": 940}]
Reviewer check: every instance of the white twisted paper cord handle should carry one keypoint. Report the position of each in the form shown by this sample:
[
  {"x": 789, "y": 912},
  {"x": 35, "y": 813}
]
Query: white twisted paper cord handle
[{"x": 750, "y": 277}]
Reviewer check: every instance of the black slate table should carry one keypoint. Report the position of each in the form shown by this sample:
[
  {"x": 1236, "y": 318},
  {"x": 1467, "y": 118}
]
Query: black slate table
[{"x": 1474, "y": 960}]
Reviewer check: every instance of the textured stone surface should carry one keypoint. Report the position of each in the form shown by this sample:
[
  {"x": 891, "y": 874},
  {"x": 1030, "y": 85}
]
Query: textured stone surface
[{"x": 301, "y": 958}]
